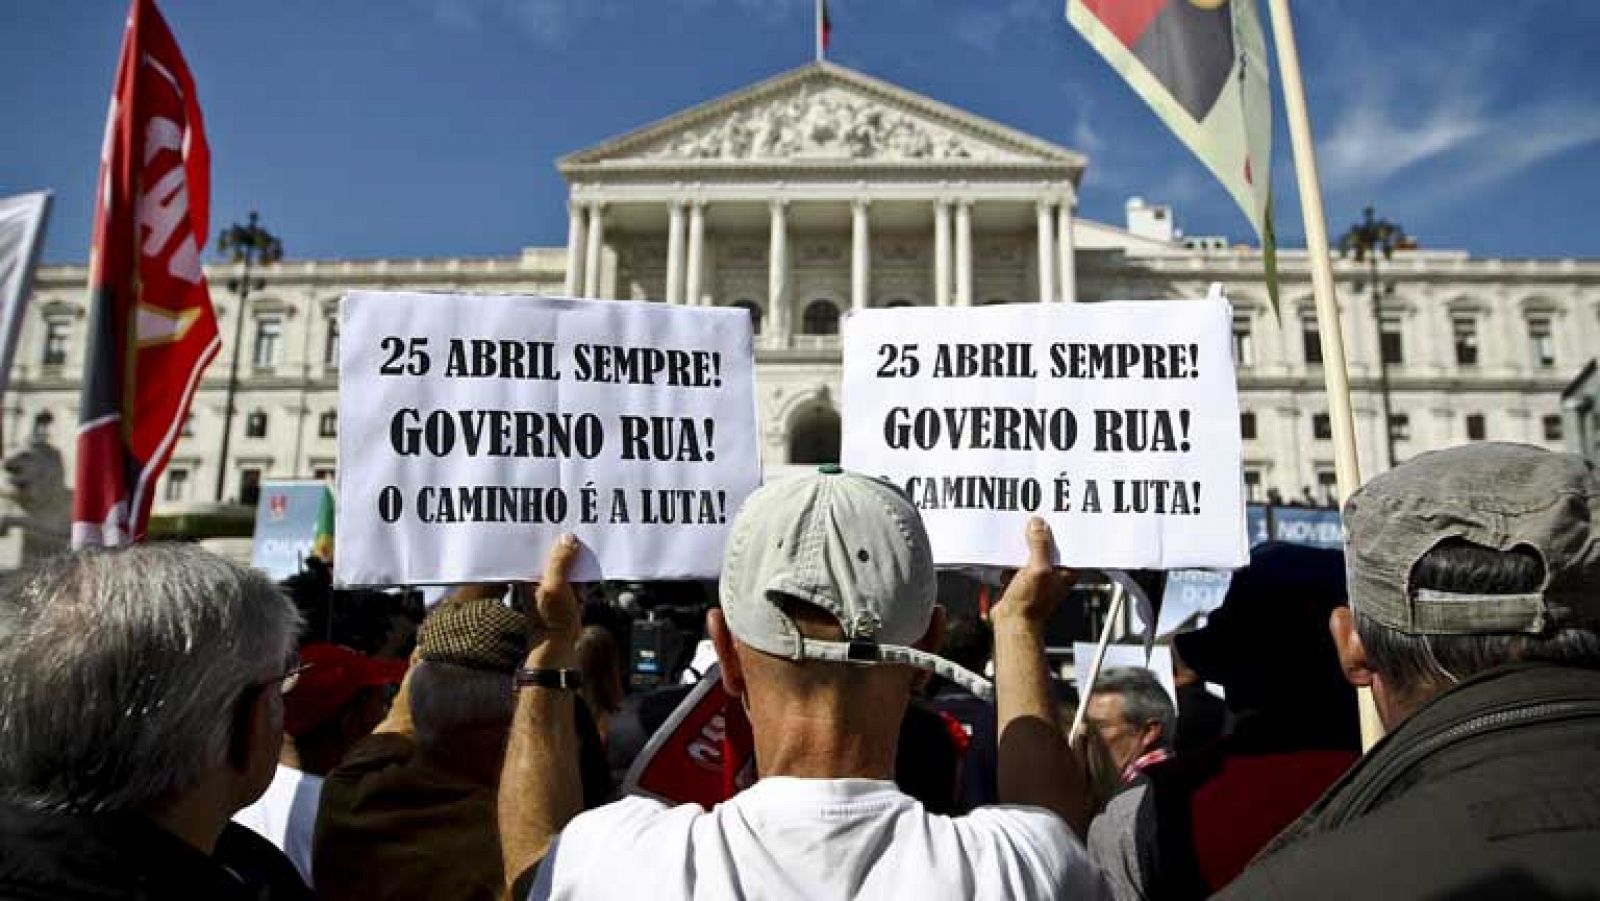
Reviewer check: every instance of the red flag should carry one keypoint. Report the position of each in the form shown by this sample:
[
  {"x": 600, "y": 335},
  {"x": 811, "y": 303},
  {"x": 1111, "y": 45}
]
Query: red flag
[
  {"x": 152, "y": 330},
  {"x": 703, "y": 754}
]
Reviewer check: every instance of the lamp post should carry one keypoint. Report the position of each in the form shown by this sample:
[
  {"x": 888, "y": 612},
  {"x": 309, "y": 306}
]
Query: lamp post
[
  {"x": 252, "y": 246},
  {"x": 1366, "y": 241}
]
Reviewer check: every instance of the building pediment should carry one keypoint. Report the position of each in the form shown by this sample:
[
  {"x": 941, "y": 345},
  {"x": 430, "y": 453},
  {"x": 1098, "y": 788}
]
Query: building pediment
[{"x": 824, "y": 115}]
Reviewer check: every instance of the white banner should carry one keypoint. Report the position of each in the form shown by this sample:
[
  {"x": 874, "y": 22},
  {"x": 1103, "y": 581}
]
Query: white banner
[
  {"x": 1116, "y": 422},
  {"x": 22, "y": 220},
  {"x": 475, "y": 430}
]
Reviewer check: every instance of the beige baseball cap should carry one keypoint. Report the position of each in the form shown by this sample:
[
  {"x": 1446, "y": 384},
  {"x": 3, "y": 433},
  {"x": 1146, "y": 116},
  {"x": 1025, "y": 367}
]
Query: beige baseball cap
[{"x": 846, "y": 543}]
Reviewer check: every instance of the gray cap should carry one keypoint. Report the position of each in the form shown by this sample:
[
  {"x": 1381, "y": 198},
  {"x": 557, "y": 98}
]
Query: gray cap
[
  {"x": 1497, "y": 495},
  {"x": 851, "y": 545}
]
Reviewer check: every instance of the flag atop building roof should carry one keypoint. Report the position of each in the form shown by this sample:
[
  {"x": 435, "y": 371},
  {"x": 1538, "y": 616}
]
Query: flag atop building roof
[{"x": 152, "y": 330}]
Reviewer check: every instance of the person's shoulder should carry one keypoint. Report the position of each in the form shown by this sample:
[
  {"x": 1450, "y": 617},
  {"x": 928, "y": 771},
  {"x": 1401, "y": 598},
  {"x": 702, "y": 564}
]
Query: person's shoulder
[
  {"x": 624, "y": 821},
  {"x": 1034, "y": 846}
]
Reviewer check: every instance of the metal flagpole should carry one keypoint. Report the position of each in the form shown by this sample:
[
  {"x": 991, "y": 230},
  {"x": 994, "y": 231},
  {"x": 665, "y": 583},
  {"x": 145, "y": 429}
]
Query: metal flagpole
[
  {"x": 818, "y": 31},
  {"x": 1347, "y": 467}
]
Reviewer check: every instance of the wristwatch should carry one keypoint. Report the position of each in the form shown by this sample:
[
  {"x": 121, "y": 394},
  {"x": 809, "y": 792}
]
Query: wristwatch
[{"x": 569, "y": 679}]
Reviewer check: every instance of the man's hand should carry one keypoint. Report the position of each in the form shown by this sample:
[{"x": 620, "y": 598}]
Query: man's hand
[
  {"x": 1039, "y": 587},
  {"x": 555, "y": 617}
]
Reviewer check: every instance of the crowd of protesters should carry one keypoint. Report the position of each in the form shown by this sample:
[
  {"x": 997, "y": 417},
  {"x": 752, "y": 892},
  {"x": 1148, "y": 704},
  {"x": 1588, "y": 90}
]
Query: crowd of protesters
[{"x": 175, "y": 726}]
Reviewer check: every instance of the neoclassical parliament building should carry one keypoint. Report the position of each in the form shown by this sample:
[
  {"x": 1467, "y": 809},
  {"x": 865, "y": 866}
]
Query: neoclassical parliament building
[{"x": 823, "y": 190}]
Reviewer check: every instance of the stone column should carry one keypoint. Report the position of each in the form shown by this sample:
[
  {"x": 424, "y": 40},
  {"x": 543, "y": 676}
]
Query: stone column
[
  {"x": 778, "y": 275},
  {"x": 941, "y": 252},
  {"x": 860, "y": 255},
  {"x": 1047, "y": 253},
  {"x": 1067, "y": 250},
  {"x": 695, "y": 277},
  {"x": 574, "y": 287},
  {"x": 963, "y": 253},
  {"x": 675, "y": 253},
  {"x": 591, "y": 266}
]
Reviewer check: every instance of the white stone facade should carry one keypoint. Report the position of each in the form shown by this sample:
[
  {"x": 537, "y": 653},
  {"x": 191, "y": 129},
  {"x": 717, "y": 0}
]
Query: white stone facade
[{"x": 824, "y": 190}]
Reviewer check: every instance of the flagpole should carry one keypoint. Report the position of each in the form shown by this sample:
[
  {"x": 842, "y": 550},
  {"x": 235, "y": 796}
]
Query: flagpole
[
  {"x": 817, "y": 31},
  {"x": 1346, "y": 466}
]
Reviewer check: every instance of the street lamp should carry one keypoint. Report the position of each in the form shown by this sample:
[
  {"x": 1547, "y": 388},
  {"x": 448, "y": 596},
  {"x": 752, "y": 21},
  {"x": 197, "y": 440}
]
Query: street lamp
[
  {"x": 1367, "y": 240},
  {"x": 252, "y": 246}
]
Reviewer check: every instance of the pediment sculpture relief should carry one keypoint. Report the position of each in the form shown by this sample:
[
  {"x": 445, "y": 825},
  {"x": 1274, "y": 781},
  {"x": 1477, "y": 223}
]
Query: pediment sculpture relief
[{"x": 829, "y": 124}]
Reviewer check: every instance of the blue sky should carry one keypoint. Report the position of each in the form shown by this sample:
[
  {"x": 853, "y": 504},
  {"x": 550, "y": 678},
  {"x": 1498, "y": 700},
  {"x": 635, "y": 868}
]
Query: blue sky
[{"x": 366, "y": 128}]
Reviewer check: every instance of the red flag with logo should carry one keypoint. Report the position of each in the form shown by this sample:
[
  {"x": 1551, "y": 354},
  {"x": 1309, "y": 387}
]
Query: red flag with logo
[
  {"x": 703, "y": 754},
  {"x": 151, "y": 330}
]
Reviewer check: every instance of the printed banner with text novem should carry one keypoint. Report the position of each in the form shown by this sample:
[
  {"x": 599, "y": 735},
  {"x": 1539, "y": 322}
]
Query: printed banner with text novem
[
  {"x": 475, "y": 430},
  {"x": 1117, "y": 422}
]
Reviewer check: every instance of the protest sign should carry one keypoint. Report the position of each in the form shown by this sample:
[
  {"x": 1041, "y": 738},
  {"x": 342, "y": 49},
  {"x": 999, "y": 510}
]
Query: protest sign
[
  {"x": 1124, "y": 655},
  {"x": 477, "y": 430},
  {"x": 1116, "y": 422},
  {"x": 290, "y": 518}
]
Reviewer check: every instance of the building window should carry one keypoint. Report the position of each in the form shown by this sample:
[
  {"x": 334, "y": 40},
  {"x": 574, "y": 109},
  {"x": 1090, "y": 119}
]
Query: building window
[
  {"x": 898, "y": 303},
  {"x": 188, "y": 425},
  {"x": 1322, "y": 427},
  {"x": 269, "y": 330},
  {"x": 1400, "y": 427},
  {"x": 754, "y": 309},
  {"x": 1244, "y": 347},
  {"x": 1252, "y": 486},
  {"x": 1552, "y": 428},
  {"x": 255, "y": 425},
  {"x": 1541, "y": 343},
  {"x": 1311, "y": 338},
  {"x": 328, "y": 424},
  {"x": 821, "y": 318},
  {"x": 1392, "y": 342},
  {"x": 1328, "y": 487},
  {"x": 55, "y": 343},
  {"x": 1477, "y": 427},
  {"x": 42, "y": 421},
  {"x": 323, "y": 474},
  {"x": 330, "y": 346},
  {"x": 995, "y": 302},
  {"x": 177, "y": 484},
  {"x": 1247, "y": 425},
  {"x": 814, "y": 436},
  {"x": 1465, "y": 329},
  {"x": 249, "y": 486}
]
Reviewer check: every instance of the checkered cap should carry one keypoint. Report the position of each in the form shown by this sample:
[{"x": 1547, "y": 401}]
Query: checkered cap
[{"x": 483, "y": 634}]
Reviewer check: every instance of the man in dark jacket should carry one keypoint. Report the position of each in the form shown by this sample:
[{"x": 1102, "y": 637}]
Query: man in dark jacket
[
  {"x": 1475, "y": 620},
  {"x": 141, "y": 707}
]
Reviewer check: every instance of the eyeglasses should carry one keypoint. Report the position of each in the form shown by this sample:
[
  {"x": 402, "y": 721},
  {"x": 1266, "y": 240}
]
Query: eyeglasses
[{"x": 290, "y": 679}]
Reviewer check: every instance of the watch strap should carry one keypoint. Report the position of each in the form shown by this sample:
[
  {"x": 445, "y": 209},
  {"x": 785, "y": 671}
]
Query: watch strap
[{"x": 567, "y": 679}]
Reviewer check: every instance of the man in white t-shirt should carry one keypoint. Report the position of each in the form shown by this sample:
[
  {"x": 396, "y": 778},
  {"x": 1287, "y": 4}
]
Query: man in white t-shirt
[{"x": 828, "y": 607}]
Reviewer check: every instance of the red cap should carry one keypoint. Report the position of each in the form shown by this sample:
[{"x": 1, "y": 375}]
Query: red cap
[{"x": 332, "y": 679}]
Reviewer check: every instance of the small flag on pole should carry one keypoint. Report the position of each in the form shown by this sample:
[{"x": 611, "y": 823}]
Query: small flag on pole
[
  {"x": 152, "y": 330},
  {"x": 22, "y": 220},
  {"x": 1202, "y": 66}
]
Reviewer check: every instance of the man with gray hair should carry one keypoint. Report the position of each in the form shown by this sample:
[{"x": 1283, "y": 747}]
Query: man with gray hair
[
  {"x": 1474, "y": 617},
  {"x": 1135, "y": 717},
  {"x": 141, "y": 707}
]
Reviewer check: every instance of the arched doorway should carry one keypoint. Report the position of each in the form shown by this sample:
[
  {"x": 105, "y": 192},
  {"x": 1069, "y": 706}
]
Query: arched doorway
[
  {"x": 754, "y": 309},
  {"x": 814, "y": 435},
  {"x": 821, "y": 318}
]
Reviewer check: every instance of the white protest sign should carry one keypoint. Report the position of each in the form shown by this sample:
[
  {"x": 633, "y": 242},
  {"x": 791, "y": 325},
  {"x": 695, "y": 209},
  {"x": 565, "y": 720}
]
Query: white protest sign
[
  {"x": 1116, "y": 422},
  {"x": 1122, "y": 656},
  {"x": 475, "y": 430}
]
